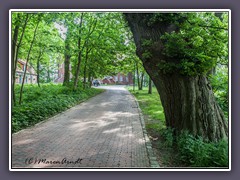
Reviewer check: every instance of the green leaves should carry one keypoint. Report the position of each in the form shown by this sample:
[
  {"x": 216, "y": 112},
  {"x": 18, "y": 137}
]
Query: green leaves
[
  {"x": 44, "y": 102},
  {"x": 195, "y": 152},
  {"x": 201, "y": 42}
]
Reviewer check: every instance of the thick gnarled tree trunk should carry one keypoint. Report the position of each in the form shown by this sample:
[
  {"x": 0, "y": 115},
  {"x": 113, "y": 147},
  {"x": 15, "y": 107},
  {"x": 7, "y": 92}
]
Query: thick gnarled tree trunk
[{"x": 188, "y": 102}]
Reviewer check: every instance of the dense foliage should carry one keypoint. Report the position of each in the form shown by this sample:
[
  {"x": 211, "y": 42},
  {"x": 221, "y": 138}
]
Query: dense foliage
[{"x": 44, "y": 102}]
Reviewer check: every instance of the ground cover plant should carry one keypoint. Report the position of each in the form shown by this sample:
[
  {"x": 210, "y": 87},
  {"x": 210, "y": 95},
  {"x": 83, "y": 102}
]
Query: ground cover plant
[{"x": 45, "y": 101}]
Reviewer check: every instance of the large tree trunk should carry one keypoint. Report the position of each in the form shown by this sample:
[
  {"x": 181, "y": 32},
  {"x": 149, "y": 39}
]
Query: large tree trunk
[{"x": 188, "y": 102}]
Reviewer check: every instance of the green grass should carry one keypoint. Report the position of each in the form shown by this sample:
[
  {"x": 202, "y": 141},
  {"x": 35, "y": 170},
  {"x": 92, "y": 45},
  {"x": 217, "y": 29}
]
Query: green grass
[
  {"x": 44, "y": 102},
  {"x": 151, "y": 107}
]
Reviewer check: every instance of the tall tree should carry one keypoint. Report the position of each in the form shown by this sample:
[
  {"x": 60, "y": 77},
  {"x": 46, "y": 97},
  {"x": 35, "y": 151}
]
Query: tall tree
[
  {"x": 28, "y": 56},
  {"x": 14, "y": 46},
  {"x": 15, "y": 49},
  {"x": 67, "y": 56},
  {"x": 176, "y": 54},
  {"x": 91, "y": 29},
  {"x": 79, "y": 51}
]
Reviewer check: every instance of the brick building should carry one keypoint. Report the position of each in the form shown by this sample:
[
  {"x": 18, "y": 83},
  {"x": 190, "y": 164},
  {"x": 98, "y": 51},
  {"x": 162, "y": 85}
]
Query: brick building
[
  {"x": 120, "y": 79},
  {"x": 31, "y": 76},
  {"x": 60, "y": 77}
]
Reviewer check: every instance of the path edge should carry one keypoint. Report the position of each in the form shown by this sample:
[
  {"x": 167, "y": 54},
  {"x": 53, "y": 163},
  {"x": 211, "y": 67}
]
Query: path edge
[{"x": 151, "y": 155}]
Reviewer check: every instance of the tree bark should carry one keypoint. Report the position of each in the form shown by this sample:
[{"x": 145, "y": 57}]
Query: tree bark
[
  {"x": 188, "y": 102},
  {"x": 90, "y": 79},
  {"x": 150, "y": 86},
  {"x": 38, "y": 65},
  {"x": 138, "y": 78},
  {"x": 66, "y": 62},
  {"x": 85, "y": 67},
  {"x": 134, "y": 77},
  {"x": 141, "y": 82}
]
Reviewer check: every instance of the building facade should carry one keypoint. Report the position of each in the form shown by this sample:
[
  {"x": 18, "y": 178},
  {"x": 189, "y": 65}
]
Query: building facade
[
  {"x": 120, "y": 79},
  {"x": 31, "y": 76},
  {"x": 60, "y": 76}
]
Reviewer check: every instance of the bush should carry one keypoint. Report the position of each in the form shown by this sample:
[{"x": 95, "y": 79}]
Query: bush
[
  {"x": 44, "y": 102},
  {"x": 167, "y": 134},
  {"x": 195, "y": 152}
]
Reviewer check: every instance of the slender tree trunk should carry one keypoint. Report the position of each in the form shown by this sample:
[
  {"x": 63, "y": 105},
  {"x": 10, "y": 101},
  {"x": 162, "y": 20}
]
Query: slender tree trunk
[
  {"x": 91, "y": 30},
  {"x": 89, "y": 80},
  {"x": 79, "y": 53},
  {"x": 48, "y": 75},
  {"x": 84, "y": 76},
  {"x": 85, "y": 68},
  {"x": 141, "y": 82},
  {"x": 38, "y": 72},
  {"x": 134, "y": 77},
  {"x": 188, "y": 102},
  {"x": 66, "y": 62},
  {"x": 41, "y": 51},
  {"x": 28, "y": 57},
  {"x": 15, "y": 56},
  {"x": 78, "y": 70},
  {"x": 138, "y": 79},
  {"x": 150, "y": 86},
  {"x": 14, "y": 46}
]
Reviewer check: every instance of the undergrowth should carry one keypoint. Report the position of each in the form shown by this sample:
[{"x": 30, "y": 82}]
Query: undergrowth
[
  {"x": 40, "y": 103},
  {"x": 195, "y": 152}
]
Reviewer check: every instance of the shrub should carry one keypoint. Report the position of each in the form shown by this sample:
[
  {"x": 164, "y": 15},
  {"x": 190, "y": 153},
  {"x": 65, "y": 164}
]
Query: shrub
[{"x": 196, "y": 152}]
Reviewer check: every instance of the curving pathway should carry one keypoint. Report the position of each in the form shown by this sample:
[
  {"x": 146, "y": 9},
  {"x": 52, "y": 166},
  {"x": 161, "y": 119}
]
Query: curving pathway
[{"x": 104, "y": 131}]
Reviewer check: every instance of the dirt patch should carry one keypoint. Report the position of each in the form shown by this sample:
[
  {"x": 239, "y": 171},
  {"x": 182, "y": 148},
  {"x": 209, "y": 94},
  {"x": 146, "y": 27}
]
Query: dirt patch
[{"x": 166, "y": 156}]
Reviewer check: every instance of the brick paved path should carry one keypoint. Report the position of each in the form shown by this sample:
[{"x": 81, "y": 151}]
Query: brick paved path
[{"x": 104, "y": 131}]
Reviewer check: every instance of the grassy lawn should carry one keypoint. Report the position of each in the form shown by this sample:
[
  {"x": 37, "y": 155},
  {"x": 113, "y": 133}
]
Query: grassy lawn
[{"x": 151, "y": 107}]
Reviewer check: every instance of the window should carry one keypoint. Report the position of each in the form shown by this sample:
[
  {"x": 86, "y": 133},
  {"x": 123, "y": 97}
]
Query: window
[
  {"x": 116, "y": 78},
  {"x": 121, "y": 78}
]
